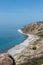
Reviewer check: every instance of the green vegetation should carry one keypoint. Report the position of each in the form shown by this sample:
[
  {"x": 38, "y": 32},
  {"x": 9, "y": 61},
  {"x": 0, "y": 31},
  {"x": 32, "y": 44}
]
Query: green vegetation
[
  {"x": 34, "y": 61},
  {"x": 34, "y": 48}
]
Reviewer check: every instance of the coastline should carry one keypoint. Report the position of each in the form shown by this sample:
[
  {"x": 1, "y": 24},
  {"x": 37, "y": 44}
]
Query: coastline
[
  {"x": 5, "y": 50},
  {"x": 21, "y": 46},
  {"x": 16, "y": 44},
  {"x": 29, "y": 49}
]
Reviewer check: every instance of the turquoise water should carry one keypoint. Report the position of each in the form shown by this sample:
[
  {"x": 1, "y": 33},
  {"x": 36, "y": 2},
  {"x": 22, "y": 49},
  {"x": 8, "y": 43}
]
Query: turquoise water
[{"x": 9, "y": 36}]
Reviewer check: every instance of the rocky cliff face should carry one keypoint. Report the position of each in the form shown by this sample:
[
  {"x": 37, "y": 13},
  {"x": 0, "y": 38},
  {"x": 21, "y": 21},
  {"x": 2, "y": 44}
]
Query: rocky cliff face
[
  {"x": 6, "y": 59},
  {"x": 34, "y": 28},
  {"x": 33, "y": 54}
]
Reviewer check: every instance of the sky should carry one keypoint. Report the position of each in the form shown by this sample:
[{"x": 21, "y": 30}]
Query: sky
[{"x": 18, "y": 11}]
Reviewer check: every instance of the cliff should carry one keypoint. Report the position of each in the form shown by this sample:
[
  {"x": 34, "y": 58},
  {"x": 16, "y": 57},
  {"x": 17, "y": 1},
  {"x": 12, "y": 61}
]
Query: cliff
[
  {"x": 33, "y": 28},
  {"x": 33, "y": 53},
  {"x": 6, "y": 59}
]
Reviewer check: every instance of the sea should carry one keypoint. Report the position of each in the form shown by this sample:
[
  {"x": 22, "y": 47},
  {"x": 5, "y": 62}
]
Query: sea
[{"x": 9, "y": 36}]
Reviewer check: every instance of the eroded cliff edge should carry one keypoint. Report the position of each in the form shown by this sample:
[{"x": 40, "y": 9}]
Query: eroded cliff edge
[{"x": 33, "y": 53}]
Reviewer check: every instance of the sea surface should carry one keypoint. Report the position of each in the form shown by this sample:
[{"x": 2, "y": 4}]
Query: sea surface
[{"x": 9, "y": 36}]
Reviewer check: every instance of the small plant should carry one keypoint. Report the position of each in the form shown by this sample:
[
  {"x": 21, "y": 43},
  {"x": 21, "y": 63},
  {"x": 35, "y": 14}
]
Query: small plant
[{"x": 34, "y": 48}]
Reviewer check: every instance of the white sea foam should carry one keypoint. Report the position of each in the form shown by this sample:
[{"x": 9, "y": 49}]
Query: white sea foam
[{"x": 20, "y": 47}]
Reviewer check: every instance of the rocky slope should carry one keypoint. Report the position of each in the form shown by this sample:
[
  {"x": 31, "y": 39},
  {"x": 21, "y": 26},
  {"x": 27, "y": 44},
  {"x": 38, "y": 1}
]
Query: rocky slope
[
  {"x": 34, "y": 28},
  {"x": 34, "y": 51},
  {"x": 6, "y": 59}
]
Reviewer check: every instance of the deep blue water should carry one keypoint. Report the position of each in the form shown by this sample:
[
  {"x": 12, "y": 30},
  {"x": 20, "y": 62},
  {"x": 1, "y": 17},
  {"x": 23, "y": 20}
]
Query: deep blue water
[{"x": 9, "y": 36}]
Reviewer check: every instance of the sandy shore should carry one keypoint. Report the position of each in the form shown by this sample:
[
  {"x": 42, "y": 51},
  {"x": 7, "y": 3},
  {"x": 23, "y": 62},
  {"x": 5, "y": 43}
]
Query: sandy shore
[{"x": 20, "y": 47}]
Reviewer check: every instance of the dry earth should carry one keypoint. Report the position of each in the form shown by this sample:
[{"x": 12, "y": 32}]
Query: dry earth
[{"x": 35, "y": 48}]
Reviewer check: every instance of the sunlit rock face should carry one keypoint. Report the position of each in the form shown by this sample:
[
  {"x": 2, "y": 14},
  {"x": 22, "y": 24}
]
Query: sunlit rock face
[
  {"x": 34, "y": 28},
  {"x": 6, "y": 59}
]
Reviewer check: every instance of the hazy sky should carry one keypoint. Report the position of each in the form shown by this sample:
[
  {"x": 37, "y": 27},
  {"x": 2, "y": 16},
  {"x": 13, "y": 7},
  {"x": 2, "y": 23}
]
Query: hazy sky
[{"x": 15, "y": 11}]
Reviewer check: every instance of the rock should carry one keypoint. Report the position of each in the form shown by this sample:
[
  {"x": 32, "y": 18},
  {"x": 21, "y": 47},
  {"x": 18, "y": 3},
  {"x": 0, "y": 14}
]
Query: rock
[
  {"x": 33, "y": 28},
  {"x": 6, "y": 59}
]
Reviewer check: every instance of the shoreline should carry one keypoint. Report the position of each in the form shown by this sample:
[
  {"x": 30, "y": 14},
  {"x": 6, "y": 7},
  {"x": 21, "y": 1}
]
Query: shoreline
[
  {"x": 21, "y": 46},
  {"x": 5, "y": 50},
  {"x": 16, "y": 44}
]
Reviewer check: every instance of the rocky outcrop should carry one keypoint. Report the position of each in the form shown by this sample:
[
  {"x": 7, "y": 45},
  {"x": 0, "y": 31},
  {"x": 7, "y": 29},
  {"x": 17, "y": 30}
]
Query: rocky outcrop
[
  {"x": 6, "y": 59},
  {"x": 34, "y": 28},
  {"x": 34, "y": 51}
]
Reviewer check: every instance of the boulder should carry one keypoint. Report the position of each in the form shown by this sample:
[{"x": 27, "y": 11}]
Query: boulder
[{"x": 6, "y": 59}]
